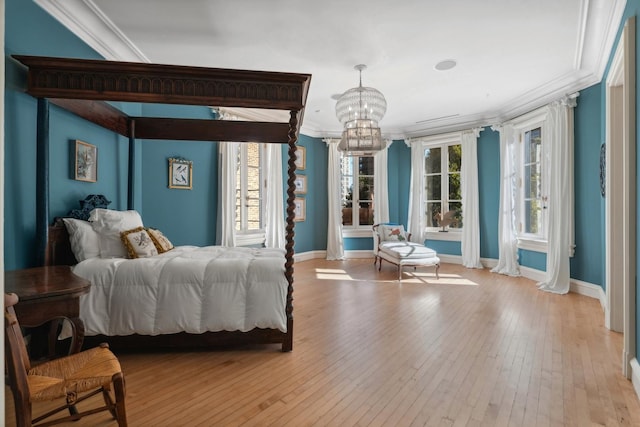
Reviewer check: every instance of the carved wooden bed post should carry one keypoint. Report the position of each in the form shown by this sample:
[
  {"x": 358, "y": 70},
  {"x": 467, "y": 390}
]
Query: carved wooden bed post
[
  {"x": 42, "y": 181},
  {"x": 287, "y": 345}
]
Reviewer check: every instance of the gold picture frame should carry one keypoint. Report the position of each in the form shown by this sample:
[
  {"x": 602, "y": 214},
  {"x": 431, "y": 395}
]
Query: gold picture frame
[
  {"x": 86, "y": 162},
  {"x": 180, "y": 174},
  {"x": 300, "y": 210},
  {"x": 301, "y": 154},
  {"x": 301, "y": 184}
]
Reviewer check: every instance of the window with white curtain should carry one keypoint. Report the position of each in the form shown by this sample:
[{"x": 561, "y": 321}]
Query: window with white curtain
[
  {"x": 250, "y": 184},
  {"x": 532, "y": 222},
  {"x": 357, "y": 191},
  {"x": 531, "y": 188},
  {"x": 442, "y": 179}
]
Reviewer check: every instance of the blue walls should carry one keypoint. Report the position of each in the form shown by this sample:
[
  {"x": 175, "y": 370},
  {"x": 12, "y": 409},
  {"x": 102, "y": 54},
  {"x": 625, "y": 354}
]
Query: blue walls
[
  {"x": 311, "y": 234},
  {"x": 587, "y": 263},
  {"x": 489, "y": 191},
  {"x": 186, "y": 217},
  {"x": 31, "y": 31},
  {"x": 399, "y": 179}
]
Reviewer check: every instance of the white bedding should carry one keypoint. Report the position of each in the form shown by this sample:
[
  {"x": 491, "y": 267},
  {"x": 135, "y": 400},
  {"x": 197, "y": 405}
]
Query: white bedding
[{"x": 188, "y": 289}]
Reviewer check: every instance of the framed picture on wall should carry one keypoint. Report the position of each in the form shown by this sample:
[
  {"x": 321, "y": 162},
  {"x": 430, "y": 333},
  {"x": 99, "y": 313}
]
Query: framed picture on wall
[
  {"x": 300, "y": 210},
  {"x": 180, "y": 173},
  {"x": 301, "y": 161},
  {"x": 86, "y": 162},
  {"x": 301, "y": 184}
]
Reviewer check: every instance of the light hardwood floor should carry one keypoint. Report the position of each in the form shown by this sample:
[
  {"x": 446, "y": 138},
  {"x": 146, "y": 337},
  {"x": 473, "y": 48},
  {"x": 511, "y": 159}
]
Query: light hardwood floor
[{"x": 473, "y": 348}]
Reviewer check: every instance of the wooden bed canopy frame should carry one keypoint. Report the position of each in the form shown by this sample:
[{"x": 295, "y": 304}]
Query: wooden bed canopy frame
[{"x": 83, "y": 86}]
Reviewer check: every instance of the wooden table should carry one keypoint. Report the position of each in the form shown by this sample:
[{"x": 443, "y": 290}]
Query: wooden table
[{"x": 46, "y": 293}]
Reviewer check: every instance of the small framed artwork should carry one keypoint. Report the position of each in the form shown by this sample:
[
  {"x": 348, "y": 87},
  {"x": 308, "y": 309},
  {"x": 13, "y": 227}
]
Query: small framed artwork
[
  {"x": 180, "y": 173},
  {"x": 86, "y": 162},
  {"x": 301, "y": 161},
  {"x": 300, "y": 210},
  {"x": 301, "y": 184}
]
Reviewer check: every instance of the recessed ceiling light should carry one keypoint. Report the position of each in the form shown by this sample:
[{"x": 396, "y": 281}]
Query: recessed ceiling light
[{"x": 447, "y": 64}]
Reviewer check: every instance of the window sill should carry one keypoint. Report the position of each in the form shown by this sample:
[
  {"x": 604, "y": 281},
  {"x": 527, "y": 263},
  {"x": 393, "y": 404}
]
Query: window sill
[
  {"x": 250, "y": 239},
  {"x": 366, "y": 231},
  {"x": 529, "y": 244},
  {"x": 451, "y": 235}
]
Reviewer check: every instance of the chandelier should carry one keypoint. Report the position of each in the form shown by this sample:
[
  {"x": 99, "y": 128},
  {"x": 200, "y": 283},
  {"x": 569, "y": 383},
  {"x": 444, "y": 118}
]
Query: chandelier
[{"x": 359, "y": 109}]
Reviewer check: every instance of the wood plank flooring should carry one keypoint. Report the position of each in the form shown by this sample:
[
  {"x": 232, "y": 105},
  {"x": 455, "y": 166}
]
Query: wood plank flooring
[{"x": 471, "y": 349}]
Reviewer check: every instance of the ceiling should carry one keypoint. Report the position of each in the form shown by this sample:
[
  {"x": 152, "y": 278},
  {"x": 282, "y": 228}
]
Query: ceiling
[{"x": 512, "y": 55}]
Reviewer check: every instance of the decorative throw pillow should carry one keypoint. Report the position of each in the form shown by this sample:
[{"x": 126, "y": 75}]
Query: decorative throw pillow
[
  {"x": 160, "y": 240},
  {"x": 138, "y": 243},
  {"x": 85, "y": 242},
  {"x": 109, "y": 224},
  {"x": 393, "y": 233}
]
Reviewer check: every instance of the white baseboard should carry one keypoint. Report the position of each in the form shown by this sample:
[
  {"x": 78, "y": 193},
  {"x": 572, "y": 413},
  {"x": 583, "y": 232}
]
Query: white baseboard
[
  {"x": 635, "y": 376},
  {"x": 589, "y": 290},
  {"x": 306, "y": 256},
  {"x": 577, "y": 286},
  {"x": 358, "y": 254}
]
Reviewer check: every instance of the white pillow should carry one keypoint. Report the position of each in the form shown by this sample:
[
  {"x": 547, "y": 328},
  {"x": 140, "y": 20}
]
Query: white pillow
[
  {"x": 83, "y": 238},
  {"x": 109, "y": 224},
  {"x": 393, "y": 233}
]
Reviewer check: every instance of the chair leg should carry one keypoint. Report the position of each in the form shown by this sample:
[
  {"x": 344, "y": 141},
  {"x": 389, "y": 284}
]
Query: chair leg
[
  {"x": 437, "y": 274},
  {"x": 23, "y": 413},
  {"x": 119, "y": 390},
  {"x": 380, "y": 265},
  {"x": 399, "y": 273}
]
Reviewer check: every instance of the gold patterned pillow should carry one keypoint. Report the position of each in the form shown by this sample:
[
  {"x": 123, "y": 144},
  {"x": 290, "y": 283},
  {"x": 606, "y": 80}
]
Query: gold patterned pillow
[
  {"x": 160, "y": 240},
  {"x": 138, "y": 243}
]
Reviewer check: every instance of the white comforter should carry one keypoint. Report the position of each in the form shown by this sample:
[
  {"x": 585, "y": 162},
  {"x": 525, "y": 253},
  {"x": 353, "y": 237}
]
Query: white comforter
[{"x": 188, "y": 289}]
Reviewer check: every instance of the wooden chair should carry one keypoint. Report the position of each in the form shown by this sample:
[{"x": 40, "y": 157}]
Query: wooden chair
[{"x": 75, "y": 378}]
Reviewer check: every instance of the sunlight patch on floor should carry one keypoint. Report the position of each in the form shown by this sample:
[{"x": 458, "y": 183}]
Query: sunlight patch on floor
[
  {"x": 407, "y": 277},
  {"x": 445, "y": 279},
  {"x": 332, "y": 274}
]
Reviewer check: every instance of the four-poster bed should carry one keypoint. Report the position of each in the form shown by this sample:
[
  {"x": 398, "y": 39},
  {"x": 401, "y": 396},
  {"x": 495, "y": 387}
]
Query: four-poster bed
[{"x": 83, "y": 87}]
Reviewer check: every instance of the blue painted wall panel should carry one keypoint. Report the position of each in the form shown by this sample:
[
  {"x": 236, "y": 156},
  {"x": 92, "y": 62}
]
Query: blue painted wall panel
[
  {"x": 588, "y": 261},
  {"x": 31, "y": 31},
  {"x": 489, "y": 191},
  {"x": 532, "y": 259}
]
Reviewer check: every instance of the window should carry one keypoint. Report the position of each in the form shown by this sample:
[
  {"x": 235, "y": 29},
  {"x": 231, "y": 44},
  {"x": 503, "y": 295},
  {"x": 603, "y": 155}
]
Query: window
[
  {"x": 249, "y": 194},
  {"x": 531, "y": 188},
  {"x": 532, "y": 219},
  {"x": 443, "y": 192},
  {"x": 356, "y": 174}
]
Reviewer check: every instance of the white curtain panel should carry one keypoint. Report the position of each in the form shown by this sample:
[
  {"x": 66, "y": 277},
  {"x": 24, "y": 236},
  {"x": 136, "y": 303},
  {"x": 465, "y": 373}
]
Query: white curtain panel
[
  {"x": 559, "y": 135},
  {"x": 335, "y": 243},
  {"x": 415, "y": 223},
  {"x": 228, "y": 161},
  {"x": 470, "y": 244},
  {"x": 507, "y": 240},
  {"x": 381, "y": 187},
  {"x": 274, "y": 215}
]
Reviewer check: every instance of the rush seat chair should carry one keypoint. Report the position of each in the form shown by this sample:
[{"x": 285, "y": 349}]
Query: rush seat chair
[{"x": 70, "y": 379}]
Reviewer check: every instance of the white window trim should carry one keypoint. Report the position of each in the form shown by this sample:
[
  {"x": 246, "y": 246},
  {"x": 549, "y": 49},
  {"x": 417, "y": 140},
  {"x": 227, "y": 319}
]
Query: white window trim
[
  {"x": 254, "y": 237},
  {"x": 442, "y": 141},
  {"x": 257, "y": 237},
  {"x": 528, "y": 242},
  {"x": 361, "y": 230},
  {"x": 522, "y": 124},
  {"x": 453, "y": 235}
]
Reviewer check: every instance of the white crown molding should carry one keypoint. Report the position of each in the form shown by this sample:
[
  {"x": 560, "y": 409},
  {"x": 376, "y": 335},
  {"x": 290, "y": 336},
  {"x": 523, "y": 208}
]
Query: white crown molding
[
  {"x": 90, "y": 24},
  {"x": 254, "y": 114},
  {"x": 86, "y": 20}
]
